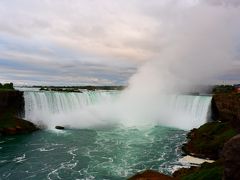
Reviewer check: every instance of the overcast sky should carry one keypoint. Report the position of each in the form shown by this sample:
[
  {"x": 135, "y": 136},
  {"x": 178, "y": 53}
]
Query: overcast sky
[{"x": 98, "y": 42}]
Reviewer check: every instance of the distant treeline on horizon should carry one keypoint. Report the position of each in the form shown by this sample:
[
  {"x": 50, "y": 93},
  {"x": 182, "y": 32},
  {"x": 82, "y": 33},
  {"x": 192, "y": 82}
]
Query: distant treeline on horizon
[
  {"x": 83, "y": 87},
  {"x": 206, "y": 89},
  {"x": 6, "y": 86}
]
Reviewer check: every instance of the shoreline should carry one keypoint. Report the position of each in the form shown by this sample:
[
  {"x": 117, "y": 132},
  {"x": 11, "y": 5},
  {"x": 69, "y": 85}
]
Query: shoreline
[
  {"x": 194, "y": 161},
  {"x": 212, "y": 148}
]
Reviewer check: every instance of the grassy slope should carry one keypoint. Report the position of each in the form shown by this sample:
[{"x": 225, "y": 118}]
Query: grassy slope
[
  {"x": 208, "y": 140},
  {"x": 206, "y": 171}
]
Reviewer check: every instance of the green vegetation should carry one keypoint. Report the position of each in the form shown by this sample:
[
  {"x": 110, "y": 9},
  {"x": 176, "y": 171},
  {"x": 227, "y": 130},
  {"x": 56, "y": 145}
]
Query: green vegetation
[
  {"x": 6, "y": 87},
  {"x": 78, "y": 88},
  {"x": 223, "y": 89},
  {"x": 208, "y": 140},
  {"x": 219, "y": 133},
  {"x": 61, "y": 89},
  {"x": 212, "y": 171},
  {"x": 71, "y": 88}
]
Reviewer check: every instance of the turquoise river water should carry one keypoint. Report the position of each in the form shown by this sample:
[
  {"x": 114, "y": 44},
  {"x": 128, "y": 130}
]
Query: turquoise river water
[{"x": 90, "y": 154}]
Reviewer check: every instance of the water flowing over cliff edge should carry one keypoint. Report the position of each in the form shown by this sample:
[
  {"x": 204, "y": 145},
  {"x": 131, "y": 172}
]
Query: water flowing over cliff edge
[{"x": 93, "y": 109}]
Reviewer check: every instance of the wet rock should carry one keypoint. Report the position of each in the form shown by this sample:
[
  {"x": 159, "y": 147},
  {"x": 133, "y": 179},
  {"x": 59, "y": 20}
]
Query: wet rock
[
  {"x": 231, "y": 152},
  {"x": 150, "y": 175},
  {"x": 226, "y": 108},
  {"x": 184, "y": 171},
  {"x": 59, "y": 127},
  {"x": 18, "y": 126},
  {"x": 11, "y": 109}
]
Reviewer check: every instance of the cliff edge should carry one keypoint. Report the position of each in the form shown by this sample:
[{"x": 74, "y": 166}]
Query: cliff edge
[{"x": 11, "y": 109}]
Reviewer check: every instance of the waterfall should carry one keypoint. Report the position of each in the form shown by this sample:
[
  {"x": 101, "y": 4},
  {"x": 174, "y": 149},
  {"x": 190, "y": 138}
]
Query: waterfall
[
  {"x": 190, "y": 111},
  {"x": 100, "y": 108},
  {"x": 44, "y": 106},
  {"x": 57, "y": 102}
]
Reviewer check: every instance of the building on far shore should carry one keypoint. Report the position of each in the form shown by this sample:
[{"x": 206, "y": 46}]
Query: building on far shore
[{"x": 237, "y": 88}]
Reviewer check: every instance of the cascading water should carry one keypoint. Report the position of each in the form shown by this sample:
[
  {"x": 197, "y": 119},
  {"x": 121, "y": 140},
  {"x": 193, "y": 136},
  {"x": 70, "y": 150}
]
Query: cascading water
[
  {"x": 57, "y": 102},
  {"x": 42, "y": 107},
  {"x": 100, "y": 108},
  {"x": 190, "y": 111}
]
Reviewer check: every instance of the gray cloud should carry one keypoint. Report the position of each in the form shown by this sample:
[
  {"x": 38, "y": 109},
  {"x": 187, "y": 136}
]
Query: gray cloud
[
  {"x": 233, "y": 3},
  {"x": 105, "y": 41}
]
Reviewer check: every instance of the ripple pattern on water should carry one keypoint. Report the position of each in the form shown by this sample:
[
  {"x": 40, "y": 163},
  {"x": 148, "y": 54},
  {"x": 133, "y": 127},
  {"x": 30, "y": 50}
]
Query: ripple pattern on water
[{"x": 90, "y": 154}]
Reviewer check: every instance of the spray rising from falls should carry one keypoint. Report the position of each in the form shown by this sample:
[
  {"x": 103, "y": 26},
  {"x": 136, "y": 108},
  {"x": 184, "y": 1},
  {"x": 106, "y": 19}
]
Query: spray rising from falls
[{"x": 102, "y": 109}]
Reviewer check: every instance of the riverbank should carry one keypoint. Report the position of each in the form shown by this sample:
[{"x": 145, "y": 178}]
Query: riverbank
[
  {"x": 217, "y": 140},
  {"x": 207, "y": 142}
]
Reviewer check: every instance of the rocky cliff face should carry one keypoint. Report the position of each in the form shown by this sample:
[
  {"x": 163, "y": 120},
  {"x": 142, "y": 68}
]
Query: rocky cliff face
[
  {"x": 231, "y": 157},
  {"x": 12, "y": 100},
  {"x": 11, "y": 109},
  {"x": 226, "y": 107},
  {"x": 208, "y": 140}
]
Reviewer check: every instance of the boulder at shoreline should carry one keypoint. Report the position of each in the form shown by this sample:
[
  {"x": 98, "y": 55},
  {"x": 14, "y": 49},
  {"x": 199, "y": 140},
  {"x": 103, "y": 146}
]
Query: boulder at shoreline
[
  {"x": 150, "y": 175},
  {"x": 11, "y": 109},
  {"x": 59, "y": 127}
]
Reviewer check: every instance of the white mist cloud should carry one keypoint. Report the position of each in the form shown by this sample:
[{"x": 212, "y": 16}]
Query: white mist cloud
[
  {"x": 201, "y": 43},
  {"x": 120, "y": 34}
]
